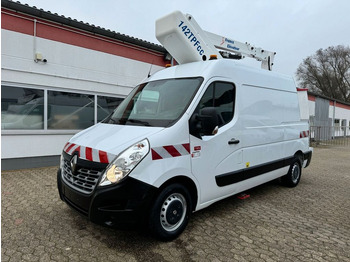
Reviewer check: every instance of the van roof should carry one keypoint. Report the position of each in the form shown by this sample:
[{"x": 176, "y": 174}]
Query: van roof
[{"x": 232, "y": 71}]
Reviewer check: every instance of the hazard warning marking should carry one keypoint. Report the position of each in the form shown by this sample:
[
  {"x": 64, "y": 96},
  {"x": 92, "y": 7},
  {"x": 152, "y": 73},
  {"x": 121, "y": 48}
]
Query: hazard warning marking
[
  {"x": 304, "y": 134},
  {"x": 170, "y": 151},
  {"x": 89, "y": 153}
]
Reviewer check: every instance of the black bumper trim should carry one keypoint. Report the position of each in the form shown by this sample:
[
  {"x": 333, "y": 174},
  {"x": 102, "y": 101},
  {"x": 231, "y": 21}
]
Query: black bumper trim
[
  {"x": 75, "y": 207},
  {"x": 247, "y": 173},
  {"x": 308, "y": 156},
  {"x": 125, "y": 203}
]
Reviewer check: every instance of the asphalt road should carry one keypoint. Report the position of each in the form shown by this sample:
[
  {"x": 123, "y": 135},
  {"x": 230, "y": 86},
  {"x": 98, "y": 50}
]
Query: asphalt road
[{"x": 308, "y": 223}]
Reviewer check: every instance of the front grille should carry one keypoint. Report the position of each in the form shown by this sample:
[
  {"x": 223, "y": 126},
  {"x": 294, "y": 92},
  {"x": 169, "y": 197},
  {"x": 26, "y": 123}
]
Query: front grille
[{"x": 84, "y": 179}]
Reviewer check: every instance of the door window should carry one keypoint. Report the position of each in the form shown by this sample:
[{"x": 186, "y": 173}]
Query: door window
[{"x": 221, "y": 96}]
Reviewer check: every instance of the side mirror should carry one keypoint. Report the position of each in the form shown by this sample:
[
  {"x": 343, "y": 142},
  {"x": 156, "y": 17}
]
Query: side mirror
[{"x": 209, "y": 121}]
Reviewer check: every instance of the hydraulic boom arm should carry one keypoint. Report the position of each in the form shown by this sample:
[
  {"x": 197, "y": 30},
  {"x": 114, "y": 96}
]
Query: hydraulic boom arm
[{"x": 187, "y": 42}]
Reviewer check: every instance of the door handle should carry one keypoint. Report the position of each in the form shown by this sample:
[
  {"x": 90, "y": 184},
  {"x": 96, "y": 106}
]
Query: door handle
[{"x": 233, "y": 141}]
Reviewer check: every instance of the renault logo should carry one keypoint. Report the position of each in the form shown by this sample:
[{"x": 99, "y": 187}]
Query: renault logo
[{"x": 73, "y": 163}]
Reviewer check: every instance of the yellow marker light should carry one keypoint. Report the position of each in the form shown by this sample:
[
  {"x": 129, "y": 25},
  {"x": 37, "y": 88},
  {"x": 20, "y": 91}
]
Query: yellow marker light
[
  {"x": 213, "y": 57},
  {"x": 247, "y": 164},
  {"x": 168, "y": 65}
]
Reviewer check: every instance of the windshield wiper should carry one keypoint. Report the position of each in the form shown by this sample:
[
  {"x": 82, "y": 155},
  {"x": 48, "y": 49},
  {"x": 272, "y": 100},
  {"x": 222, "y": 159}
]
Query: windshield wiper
[{"x": 138, "y": 122}]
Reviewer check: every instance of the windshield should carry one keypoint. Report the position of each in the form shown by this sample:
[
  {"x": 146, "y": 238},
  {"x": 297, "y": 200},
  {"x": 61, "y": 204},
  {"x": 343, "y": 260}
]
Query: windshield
[{"x": 159, "y": 103}]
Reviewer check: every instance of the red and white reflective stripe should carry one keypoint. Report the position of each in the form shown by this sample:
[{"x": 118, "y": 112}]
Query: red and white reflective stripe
[
  {"x": 89, "y": 153},
  {"x": 304, "y": 134},
  {"x": 170, "y": 151}
]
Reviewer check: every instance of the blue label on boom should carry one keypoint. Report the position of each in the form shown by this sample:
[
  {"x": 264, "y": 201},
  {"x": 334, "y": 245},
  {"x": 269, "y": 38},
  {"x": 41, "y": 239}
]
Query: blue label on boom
[{"x": 190, "y": 36}]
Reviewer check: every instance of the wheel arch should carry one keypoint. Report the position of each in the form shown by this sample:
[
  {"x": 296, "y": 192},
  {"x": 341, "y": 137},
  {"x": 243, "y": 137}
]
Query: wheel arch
[
  {"x": 186, "y": 182},
  {"x": 299, "y": 154}
]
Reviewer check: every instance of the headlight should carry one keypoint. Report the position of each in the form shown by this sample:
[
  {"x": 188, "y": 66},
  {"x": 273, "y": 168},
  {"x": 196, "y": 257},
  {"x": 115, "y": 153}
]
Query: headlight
[{"x": 124, "y": 163}]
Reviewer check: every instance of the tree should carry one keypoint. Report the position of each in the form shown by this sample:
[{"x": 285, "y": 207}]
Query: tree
[{"x": 327, "y": 72}]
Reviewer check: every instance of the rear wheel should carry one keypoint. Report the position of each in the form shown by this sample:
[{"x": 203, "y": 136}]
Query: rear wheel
[
  {"x": 170, "y": 213},
  {"x": 294, "y": 174}
]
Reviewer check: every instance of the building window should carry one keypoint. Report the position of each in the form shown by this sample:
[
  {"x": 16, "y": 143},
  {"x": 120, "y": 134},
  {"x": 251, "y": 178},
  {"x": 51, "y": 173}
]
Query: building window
[
  {"x": 106, "y": 105},
  {"x": 38, "y": 109},
  {"x": 70, "y": 110},
  {"x": 22, "y": 108}
]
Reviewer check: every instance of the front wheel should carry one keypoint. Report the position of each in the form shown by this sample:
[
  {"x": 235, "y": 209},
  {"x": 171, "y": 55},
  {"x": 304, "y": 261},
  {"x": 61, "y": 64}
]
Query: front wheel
[
  {"x": 170, "y": 213},
  {"x": 294, "y": 174}
]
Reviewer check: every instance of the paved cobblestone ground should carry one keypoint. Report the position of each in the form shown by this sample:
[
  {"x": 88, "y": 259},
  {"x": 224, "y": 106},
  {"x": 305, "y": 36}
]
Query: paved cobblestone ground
[{"x": 308, "y": 223}]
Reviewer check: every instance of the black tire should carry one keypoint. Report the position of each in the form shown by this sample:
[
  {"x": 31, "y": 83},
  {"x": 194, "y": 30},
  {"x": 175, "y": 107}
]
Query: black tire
[
  {"x": 294, "y": 174},
  {"x": 170, "y": 213}
]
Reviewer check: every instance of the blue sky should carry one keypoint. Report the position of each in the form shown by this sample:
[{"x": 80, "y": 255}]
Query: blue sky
[{"x": 294, "y": 29}]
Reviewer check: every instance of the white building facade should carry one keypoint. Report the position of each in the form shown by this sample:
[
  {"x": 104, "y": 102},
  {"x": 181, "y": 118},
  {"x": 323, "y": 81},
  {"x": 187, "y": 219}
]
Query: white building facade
[{"x": 59, "y": 76}]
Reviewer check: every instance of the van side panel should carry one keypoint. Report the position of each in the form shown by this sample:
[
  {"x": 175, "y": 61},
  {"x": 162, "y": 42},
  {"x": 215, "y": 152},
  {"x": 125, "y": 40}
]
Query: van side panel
[{"x": 266, "y": 115}]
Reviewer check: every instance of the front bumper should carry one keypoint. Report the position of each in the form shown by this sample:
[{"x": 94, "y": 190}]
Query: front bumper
[{"x": 125, "y": 203}]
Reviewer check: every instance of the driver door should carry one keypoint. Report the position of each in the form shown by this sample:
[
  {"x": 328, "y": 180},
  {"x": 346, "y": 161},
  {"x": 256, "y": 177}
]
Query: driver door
[{"x": 220, "y": 153}]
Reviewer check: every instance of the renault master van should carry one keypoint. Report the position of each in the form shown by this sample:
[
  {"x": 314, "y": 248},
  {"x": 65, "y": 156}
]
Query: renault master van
[{"x": 187, "y": 137}]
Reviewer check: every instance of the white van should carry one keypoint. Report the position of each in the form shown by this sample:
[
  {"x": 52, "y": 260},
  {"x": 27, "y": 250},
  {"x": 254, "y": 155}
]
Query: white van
[{"x": 188, "y": 136}]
